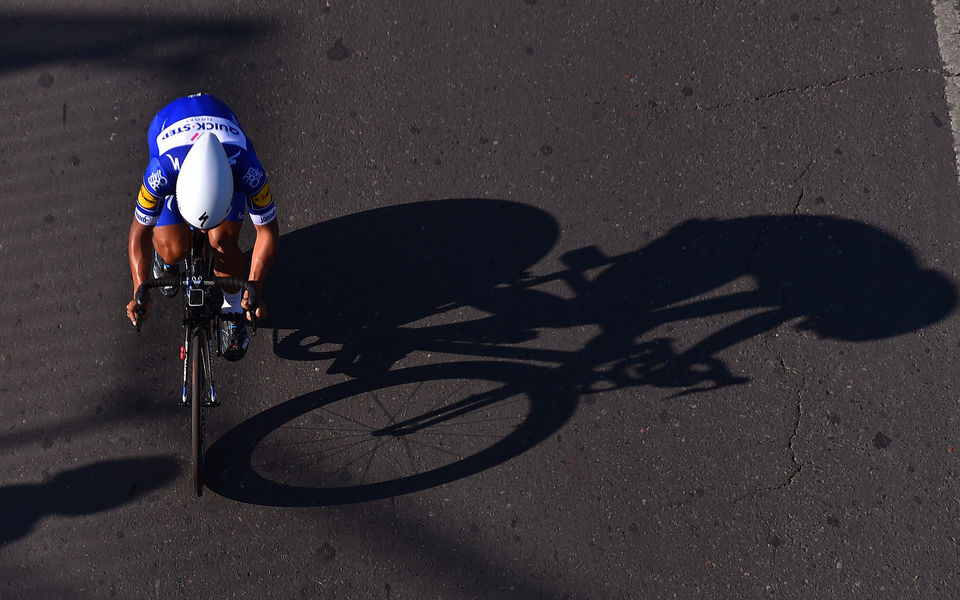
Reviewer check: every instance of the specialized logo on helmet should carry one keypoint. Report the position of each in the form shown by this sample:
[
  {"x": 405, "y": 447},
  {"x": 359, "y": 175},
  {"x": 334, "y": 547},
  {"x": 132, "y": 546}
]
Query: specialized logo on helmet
[
  {"x": 203, "y": 219},
  {"x": 252, "y": 177}
]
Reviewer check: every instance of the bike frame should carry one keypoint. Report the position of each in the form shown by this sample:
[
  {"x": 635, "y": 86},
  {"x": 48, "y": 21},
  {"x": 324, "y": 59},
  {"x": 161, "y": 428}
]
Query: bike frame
[{"x": 201, "y": 316}]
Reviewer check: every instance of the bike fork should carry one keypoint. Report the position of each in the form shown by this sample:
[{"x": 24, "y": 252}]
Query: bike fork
[
  {"x": 185, "y": 356},
  {"x": 208, "y": 369}
]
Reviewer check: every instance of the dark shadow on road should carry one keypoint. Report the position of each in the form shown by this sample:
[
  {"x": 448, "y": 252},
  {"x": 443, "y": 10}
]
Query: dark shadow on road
[
  {"x": 357, "y": 279},
  {"x": 85, "y": 490},
  {"x": 154, "y": 42},
  {"x": 452, "y": 277}
]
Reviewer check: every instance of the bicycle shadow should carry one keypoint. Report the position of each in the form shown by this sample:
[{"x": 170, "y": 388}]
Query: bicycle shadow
[
  {"x": 835, "y": 278},
  {"x": 85, "y": 490},
  {"x": 378, "y": 272},
  {"x": 358, "y": 279}
]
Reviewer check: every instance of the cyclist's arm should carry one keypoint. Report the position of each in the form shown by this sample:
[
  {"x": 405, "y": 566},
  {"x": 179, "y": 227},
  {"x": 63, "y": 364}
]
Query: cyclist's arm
[
  {"x": 139, "y": 251},
  {"x": 251, "y": 179},
  {"x": 264, "y": 251}
]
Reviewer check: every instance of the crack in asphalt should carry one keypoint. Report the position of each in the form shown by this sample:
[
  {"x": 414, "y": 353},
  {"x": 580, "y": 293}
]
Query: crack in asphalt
[
  {"x": 748, "y": 263},
  {"x": 680, "y": 108},
  {"x": 798, "y": 466},
  {"x": 814, "y": 86},
  {"x": 797, "y": 181},
  {"x": 748, "y": 266}
]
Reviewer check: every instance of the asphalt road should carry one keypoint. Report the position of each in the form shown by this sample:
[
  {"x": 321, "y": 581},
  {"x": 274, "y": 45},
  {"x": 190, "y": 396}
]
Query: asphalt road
[{"x": 575, "y": 300}]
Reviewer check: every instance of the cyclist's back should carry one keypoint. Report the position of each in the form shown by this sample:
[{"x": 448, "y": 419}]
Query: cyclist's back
[{"x": 171, "y": 135}]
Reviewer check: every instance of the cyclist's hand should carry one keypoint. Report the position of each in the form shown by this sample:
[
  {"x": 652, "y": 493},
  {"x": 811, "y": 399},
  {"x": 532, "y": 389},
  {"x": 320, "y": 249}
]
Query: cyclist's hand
[
  {"x": 132, "y": 309},
  {"x": 260, "y": 313}
]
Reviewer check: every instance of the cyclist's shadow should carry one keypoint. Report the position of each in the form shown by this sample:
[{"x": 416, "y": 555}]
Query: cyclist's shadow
[
  {"x": 835, "y": 278},
  {"x": 357, "y": 285},
  {"x": 348, "y": 285},
  {"x": 458, "y": 270}
]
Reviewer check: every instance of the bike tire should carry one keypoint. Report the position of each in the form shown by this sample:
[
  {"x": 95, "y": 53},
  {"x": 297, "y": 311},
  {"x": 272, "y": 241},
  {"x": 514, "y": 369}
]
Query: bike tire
[{"x": 198, "y": 346}]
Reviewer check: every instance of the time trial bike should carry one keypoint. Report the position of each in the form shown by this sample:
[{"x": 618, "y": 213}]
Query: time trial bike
[{"x": 202, "y": 302}]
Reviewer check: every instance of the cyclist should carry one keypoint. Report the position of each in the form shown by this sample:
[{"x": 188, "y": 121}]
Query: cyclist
[{"x": 203, "y": 172}]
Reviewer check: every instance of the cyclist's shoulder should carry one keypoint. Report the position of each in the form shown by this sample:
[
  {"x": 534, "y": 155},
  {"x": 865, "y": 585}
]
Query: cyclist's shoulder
[{"x": 177, "y": 125}]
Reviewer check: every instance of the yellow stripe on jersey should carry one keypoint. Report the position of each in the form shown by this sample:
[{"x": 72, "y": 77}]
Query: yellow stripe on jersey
[
  {"x": 262, "y": 198},
  {"x": 145, "y": 199}
]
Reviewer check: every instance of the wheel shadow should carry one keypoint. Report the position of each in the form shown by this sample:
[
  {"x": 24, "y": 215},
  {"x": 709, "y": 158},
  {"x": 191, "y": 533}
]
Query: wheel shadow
[
  {"x": 89, "y": 489},
  {"x": 452, "y": 276},
  {"x": 320, "y": 449}
]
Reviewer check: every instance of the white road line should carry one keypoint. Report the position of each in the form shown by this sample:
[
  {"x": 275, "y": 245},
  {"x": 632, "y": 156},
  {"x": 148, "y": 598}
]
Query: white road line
[{"x": 948, "y": 36}]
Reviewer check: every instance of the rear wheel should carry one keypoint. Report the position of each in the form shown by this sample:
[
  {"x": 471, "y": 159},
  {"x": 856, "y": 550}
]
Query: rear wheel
[{"x": 198, "y": 345}]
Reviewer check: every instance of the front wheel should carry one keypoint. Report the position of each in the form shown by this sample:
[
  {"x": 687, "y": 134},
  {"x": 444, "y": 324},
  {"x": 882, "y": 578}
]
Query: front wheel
[{"x": 198, "y": 345}]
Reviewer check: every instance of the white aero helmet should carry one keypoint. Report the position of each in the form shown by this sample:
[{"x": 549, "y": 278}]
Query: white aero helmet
[{"x": 205, "y": 184}]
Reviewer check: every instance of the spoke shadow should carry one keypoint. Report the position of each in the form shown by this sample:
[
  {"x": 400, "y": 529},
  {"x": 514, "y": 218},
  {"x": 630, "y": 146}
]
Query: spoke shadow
[
  {"x": 452, "y": 276},
  {"x": 89, "y": 489},
  {"x": 280, "y": 456}
]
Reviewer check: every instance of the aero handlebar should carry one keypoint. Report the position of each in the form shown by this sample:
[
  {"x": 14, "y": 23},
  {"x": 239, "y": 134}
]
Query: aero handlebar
[{"x": 172, "y": 280}]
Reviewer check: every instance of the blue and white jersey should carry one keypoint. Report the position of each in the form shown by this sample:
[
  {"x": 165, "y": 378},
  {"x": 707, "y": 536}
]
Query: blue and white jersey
[{"x": 171, "y": 134}]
